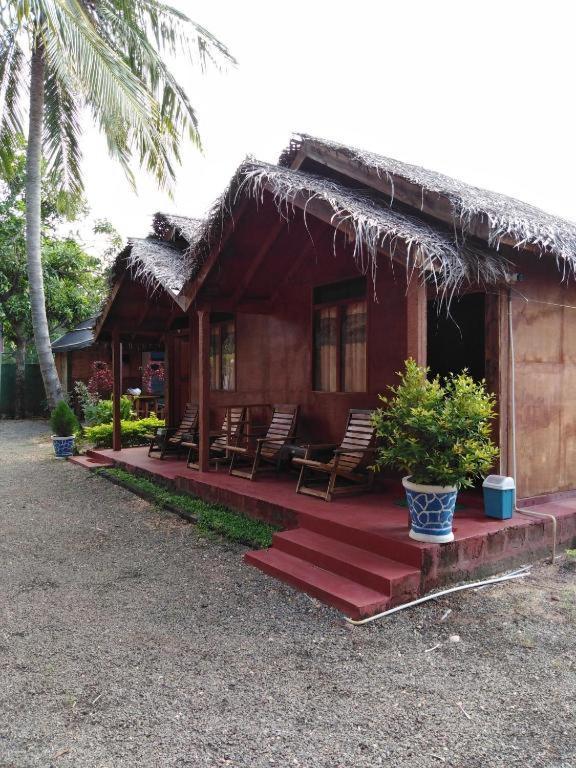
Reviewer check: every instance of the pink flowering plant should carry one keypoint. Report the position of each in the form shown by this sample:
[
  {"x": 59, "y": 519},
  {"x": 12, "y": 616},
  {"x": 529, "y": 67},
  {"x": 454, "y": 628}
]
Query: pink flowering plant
[
  {"x": 101, "y": 381},
  {"x": 153, "y": 370}
]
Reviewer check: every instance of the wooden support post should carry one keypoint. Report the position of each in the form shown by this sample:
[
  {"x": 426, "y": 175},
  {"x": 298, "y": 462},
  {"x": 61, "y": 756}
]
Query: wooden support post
[
  {"x": 116, "y": 389},
  {"x": 416, "y": 321},
  {"x": 169, "y": 379},
  {"x": 204, "y": 389}
]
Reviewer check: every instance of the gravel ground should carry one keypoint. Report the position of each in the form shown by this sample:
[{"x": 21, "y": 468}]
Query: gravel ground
[{"x": 128, "y": 640}]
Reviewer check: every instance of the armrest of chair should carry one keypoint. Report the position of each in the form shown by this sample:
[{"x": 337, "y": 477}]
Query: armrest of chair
[
  {"x": 153, "y": 435},
  {"x": 356, "y": 450},
  {"x": 321, "y": 446}
]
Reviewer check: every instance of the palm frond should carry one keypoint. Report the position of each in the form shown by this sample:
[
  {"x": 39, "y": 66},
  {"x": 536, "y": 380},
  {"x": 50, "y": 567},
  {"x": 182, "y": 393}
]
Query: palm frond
[
  {"x": 110, "y": 56},
  {"x": 120, "y": 102},
  {"x": 61, "y": 132},
  {"x": 10, "y": 67},
  {"x": 144, "y": 60},
  {"x": 174, "y": 31}
]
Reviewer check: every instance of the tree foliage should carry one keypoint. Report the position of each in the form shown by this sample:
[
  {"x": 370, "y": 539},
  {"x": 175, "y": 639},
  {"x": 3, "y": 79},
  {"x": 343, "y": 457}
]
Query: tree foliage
[
  {"x": 111, "y": 58},
  {"x": 73, "y": 279}
]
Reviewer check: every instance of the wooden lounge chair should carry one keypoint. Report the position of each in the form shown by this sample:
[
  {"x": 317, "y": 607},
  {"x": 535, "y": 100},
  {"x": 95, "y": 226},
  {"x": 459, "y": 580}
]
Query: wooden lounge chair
[
  {"x": 349, "y": 463},
  {"x": 169, "y": 439},
  {"x": 230, "y": 433},
  {"x": 268, "y": 449}
]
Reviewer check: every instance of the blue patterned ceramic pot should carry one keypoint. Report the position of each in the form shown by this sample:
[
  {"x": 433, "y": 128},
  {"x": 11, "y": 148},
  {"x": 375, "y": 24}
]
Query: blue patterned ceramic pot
[
  {"x": 63, "y": 446},
  {"x": 431, "y": 511}
]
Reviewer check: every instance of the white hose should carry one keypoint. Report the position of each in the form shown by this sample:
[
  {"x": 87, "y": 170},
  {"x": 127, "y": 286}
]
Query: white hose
[
  {"x": 518, "y": 574},
  {"x": 522, "y": 511}
]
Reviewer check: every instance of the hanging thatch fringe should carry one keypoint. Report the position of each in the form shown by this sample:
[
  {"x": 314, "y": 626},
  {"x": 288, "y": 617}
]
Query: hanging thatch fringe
[
  {"x": 166, "y": 223},
  {"x": 156, "y": 264},
  {"x": 503, "y": 216},
  {"x": 375, "y": 227},
  {"x": 449, "y": 254}
]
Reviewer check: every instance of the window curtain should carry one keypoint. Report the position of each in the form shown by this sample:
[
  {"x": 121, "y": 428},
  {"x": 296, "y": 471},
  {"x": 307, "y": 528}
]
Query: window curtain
[
  {"x": 325, "y": 340},
  {"x": 353, "y": 340},
  {"x": 228, "y": 342},
  {"x": 215, "y": 359}
]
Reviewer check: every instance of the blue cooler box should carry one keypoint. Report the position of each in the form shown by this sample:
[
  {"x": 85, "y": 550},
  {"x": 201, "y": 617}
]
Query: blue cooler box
[{"x": 499, "y": 494}]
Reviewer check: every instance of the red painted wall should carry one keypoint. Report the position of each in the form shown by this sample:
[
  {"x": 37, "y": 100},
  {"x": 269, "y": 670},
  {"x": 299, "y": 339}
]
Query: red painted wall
[
  {"x": 274, "y": 351},
  {"x": 80, "y": 365}
]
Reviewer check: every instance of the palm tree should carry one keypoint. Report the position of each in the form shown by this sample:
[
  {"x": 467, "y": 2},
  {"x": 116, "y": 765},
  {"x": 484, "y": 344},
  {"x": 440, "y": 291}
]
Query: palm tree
[{"x": 106, "y": 56}]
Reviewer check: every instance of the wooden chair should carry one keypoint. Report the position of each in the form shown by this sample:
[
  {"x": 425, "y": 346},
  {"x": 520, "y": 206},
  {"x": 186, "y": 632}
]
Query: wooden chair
[
  {"x": 349, "y": 462},
  {"x": 268, "y": 449},
  {"x": 169, "y": 439},
  {"x": 230, "y": 433}
]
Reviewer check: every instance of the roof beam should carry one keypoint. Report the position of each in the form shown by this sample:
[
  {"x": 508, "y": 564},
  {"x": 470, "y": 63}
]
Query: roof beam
[
  {"x": 196, "y": 284},
  {"x": 264, "y": 249},
  {"x": 108, "y": 307},
  {"x": 323, "y": 211},
  {"x": 294, "y": 267}
]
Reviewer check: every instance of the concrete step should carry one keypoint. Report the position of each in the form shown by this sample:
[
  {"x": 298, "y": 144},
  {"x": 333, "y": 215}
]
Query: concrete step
[
  {"x": 353, "y": 599},
  {"x": 365, "y": 537},
  {"x": 396, "y": 579},
  {"x": 90, "y": 462}
]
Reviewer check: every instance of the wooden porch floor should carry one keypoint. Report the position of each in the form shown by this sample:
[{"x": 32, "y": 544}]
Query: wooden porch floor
[{"x": 355, "y": 553}]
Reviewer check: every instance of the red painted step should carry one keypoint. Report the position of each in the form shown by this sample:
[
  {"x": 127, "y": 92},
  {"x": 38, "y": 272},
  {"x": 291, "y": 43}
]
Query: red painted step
[
  {"x": 350, "y": 597},
  {"x": 398, "y": 580},
  {"x": 90, "y": 462},
  {"x": 365, "y": 537}
]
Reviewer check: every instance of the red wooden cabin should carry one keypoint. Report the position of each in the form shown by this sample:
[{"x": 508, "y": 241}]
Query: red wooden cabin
[{"x": 313, "y": 280}]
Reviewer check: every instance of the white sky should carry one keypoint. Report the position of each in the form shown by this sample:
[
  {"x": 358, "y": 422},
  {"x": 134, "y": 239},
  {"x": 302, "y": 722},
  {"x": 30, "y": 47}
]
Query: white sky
[{"x": 483, "y": 91}]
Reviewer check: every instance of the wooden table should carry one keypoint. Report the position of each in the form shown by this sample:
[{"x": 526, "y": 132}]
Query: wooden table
[{"x": 145, "y": 405}]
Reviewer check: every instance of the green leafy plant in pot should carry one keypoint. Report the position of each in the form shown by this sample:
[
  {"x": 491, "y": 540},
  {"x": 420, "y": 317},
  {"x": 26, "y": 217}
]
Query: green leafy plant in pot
[
  {"x": 438, "y": 433},
  {"x": 64, "y": 426}
]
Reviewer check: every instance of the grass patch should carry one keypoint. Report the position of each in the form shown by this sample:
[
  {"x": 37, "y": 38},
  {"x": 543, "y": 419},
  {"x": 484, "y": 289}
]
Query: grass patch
[{"x": 208, "y": 517}]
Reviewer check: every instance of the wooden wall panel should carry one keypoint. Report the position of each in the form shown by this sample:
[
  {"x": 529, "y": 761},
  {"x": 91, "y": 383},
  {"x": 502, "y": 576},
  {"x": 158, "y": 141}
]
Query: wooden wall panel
[
  {"x": 274, "y": 351},
  {"x": 545, "y": 354}
]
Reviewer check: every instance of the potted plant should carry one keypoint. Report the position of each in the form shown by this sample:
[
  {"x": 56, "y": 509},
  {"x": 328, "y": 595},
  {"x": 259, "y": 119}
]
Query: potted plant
[
  {"x": 438, "y": 433},
  {"x": 64, "y": 426}
]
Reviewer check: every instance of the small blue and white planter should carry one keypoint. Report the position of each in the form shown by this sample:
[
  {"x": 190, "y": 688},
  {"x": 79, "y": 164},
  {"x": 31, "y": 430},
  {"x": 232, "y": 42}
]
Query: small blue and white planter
[
  {"x": 431, "y": 511},
  {"x": 63, "y": 446}
]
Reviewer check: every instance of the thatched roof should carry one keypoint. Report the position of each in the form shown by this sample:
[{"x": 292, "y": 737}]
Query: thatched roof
[
  {"x": 155, "y": 263},
  {"x": 371, "y": 223},
  {"x": 438, "y": 239},
  {"x": 503, "y": 216},
  {"x": 166, "y": 223}
]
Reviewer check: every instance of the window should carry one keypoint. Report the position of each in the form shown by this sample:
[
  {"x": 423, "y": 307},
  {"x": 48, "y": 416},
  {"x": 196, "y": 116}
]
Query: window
[
  {"x": 340, "y": 337},
  {"x": 223, "y": 353}
]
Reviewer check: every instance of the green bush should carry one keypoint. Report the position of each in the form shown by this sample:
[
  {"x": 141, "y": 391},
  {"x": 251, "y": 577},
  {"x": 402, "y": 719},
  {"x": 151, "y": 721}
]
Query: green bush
[
  {"x": 437, "y": 432},
  {"x": 101, "y": 411},
  {"x": 63, "y": 420},
  {"x": 133, "y": 432},
  {"x": 209, "y": 517}
]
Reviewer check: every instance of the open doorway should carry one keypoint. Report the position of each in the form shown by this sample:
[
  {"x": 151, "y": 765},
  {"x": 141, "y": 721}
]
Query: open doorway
[{"x": 456, "y": 338}]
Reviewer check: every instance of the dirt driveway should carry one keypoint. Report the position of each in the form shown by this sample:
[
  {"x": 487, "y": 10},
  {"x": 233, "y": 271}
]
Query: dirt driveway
[{"x": 127, "y": 640}]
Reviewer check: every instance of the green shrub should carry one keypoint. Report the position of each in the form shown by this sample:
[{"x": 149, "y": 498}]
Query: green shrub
[
  {"x": 133, "y": 432},
  {"x": 63, "y": 420},
  {"x": 209, "y": 517},
  {"x": 437, "y": 432},
  {"x": 101, "y": 411},
  {"x": 83, "y": 397}
]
